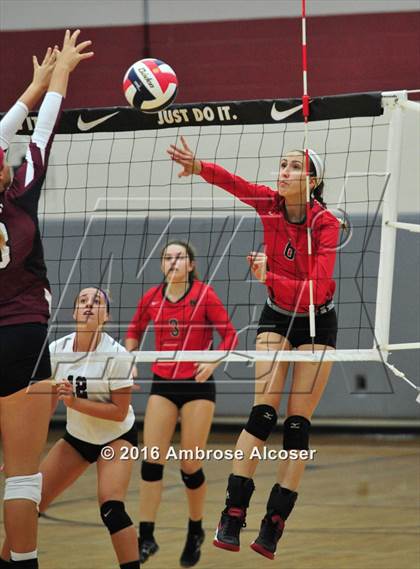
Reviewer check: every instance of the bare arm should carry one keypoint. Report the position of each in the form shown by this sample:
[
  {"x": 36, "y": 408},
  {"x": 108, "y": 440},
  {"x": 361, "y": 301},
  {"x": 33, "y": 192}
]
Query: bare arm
[
  {"x": 131, "y": 344},
  {"x": 54, "y": 400},
  {"x": 116, "y": 410}
]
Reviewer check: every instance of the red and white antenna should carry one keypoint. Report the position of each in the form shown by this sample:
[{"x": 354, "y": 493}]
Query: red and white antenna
[{"x": 305, "y": 110}]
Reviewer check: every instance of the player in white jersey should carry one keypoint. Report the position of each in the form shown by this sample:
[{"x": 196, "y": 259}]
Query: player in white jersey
[{"x": 97, "y": 396}]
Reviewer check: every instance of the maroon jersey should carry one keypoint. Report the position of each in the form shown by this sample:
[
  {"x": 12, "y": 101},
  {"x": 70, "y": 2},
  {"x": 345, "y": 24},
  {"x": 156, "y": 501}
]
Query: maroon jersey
[
  {"x": 286, "y": 244},
  {"x": 183, "y": 325},
  {"x": 24, "y": 287}
]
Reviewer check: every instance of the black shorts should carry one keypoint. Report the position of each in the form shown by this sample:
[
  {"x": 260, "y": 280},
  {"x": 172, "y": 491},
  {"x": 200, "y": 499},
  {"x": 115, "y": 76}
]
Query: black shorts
[
  {"x": 91, "y": 452},
  {"x": 24, "y": 356},
  {"x": 181, "y": 391},
  {"x": 325, "y": 327}
]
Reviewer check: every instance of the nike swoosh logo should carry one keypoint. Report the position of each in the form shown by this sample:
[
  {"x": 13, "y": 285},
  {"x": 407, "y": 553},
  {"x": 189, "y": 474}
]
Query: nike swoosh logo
[
  {"x": 281, "y": 115},
  {"x": 84, "y": 126},
  {"x": 106, "y": 514}
]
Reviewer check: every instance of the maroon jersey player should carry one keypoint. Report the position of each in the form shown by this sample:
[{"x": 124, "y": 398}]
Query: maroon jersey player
[
  {"x": 284, "y": 325},
  {"x": 24, "y": 288},
  {"x": 24, "y": 301},
  {"x": 184, "y": 312}
]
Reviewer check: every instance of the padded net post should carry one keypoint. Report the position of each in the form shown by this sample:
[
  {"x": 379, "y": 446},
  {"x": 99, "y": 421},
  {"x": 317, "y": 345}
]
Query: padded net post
[{"x": 388, "y": 232}]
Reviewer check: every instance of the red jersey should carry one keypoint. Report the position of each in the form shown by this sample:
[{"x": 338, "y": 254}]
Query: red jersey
[
  {"x": 286, "y": 244},
  {"x": 183, "y": 325}
]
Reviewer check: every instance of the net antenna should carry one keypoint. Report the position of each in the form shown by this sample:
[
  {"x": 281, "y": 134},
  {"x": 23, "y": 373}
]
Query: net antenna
[{"x": 305, "y": 110}]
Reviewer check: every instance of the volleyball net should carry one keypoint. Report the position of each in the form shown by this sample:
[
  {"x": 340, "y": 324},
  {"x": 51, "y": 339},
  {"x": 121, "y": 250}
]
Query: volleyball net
[{"x": 112, "y": 200}]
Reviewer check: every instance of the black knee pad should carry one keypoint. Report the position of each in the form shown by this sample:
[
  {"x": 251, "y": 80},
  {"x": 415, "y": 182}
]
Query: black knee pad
[
  {"x": 261, "y": 422},
  {"x": 114, "y": 516},
  {"x": 296, "y": 433},
  {"x": 151, "y": 471},
  {"x": 194, "y": 480}
]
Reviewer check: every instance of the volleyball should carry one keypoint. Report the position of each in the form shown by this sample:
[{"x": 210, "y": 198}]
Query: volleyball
[{"x": 150, "y": 85}]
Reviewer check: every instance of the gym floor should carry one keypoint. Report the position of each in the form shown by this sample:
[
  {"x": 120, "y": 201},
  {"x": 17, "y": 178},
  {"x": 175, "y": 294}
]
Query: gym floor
[{"x": 358, "y": 506}]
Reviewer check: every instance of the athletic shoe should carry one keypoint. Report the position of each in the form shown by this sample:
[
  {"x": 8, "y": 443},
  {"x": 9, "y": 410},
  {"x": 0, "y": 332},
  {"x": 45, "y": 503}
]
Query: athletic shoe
[
  {"x": 271, "y": 531},
  {"x": 192, "y": 552},
  {"x": 229, "y": 528},
  {"x": 147, "y": 547}
]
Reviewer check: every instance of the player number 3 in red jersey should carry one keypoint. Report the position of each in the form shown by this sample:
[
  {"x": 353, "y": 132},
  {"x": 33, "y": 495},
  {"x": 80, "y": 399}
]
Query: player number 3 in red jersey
[{"x": 184, "y": 312}]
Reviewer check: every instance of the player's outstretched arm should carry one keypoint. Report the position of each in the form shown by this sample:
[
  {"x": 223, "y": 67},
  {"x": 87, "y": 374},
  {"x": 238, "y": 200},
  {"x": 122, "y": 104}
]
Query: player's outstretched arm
[
  {"x": 14, "y": 118},
  {"x": 256, "y": 195},
  {"x": 41, "y": 78},
  {"x": 185, "y": 158},
  {"x": 68, "y": 59}
]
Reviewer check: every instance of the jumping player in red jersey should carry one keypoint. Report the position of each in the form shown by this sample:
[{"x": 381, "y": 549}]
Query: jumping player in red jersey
[
  {"x": 184, "y": 312},
  {"x": 283, "y": 325},
  {"x": 25, "y": 301}
]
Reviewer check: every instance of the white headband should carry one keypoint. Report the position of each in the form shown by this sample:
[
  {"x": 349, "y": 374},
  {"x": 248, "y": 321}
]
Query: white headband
[{"x": 319, "y": 165}]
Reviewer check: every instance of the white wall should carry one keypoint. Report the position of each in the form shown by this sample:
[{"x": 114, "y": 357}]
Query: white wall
[{"x": 44, "y": 14}]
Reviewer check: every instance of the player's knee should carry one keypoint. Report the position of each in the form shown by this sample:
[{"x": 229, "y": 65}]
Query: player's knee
[
  {"x": 296, "y": 431},
  {"x": 114, "y": 516},
  {"x": 194, "y": 480},
  {"x": 151, "y": 471},
  {"x": 24, "y": 488},
  {"x": 261, "y": 422}
]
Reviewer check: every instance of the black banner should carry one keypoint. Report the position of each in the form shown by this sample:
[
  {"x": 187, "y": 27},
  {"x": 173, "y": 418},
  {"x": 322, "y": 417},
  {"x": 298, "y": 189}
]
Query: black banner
[{"x": 121, "y": 119}]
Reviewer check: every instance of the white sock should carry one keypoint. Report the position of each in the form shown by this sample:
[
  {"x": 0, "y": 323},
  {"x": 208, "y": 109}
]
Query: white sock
[{"x": 23, "y": 556}]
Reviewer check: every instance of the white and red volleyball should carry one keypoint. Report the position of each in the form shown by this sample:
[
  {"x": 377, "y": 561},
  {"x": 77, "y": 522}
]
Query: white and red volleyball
[{"x": 150, "y": 85}]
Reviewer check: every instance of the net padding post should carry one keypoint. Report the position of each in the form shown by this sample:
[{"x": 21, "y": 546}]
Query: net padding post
[{"x": 388, "y": 232}]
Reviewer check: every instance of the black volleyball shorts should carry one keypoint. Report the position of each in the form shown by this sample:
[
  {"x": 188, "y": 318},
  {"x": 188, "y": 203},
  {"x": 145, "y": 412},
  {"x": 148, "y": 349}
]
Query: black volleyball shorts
[
  {"x": 24, "y": 356},
  {"x": 299, "y": 334}
]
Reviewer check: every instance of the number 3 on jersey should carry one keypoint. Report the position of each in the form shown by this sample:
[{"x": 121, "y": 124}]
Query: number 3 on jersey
[
  {"x": 4, "y": 249},
  {"x": 174, "y": 327}
]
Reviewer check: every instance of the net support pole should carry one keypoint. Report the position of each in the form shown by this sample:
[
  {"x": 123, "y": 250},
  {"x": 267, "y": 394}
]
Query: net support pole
[
  {"x": 388, "y": 231},
  {"x": 410, "y": 105}
]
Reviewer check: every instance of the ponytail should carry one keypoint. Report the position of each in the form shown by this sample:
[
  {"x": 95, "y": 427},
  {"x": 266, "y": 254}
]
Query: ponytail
[{"x": 318, "y": 192}]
